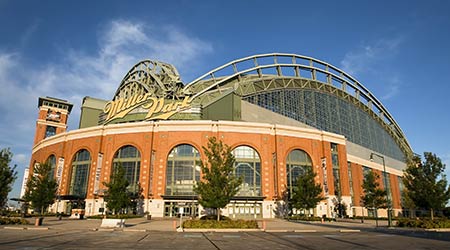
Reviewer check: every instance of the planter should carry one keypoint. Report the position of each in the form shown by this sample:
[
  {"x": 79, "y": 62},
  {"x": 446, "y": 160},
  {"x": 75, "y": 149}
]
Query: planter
[{"x": 38, "y": 221}]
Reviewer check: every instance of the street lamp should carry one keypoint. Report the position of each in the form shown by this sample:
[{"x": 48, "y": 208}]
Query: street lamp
[{"x": 385, "y": 187}]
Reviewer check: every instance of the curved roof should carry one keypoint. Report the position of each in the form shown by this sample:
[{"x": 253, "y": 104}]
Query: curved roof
[
  {"x": 158, "y": 78},
  {"x": 282, "y": 65}
]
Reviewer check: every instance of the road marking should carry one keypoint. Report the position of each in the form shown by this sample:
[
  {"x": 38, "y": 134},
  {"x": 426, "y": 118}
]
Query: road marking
[
  {"x": 192, "y": 236},
  {"x": 305, "y": 231},
  {"x": 293, "y": 236},
  {"x": 385, "y": 235},
  {"x": 231, "y": 236},
  {"x": 331, "y": 235},
  {"x": 349, "y": 230}
]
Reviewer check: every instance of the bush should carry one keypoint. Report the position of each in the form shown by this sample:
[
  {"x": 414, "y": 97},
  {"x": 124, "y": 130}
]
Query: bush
[
  {"x": 424, "y": 223},
  {"x": 117, "y": 216},
  {"x": 13, "y": 221},
  {"x": 242, "y": 224},
  {"x": 305, "y": 218},
  {"x": 214, "y": 217}
]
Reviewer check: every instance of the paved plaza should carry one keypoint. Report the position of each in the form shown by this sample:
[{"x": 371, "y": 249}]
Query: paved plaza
[{"x": 160, "y": 234}]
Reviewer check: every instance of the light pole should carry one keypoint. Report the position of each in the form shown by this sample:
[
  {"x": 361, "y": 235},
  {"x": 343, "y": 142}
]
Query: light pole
[{"x": 385, "y": 187}]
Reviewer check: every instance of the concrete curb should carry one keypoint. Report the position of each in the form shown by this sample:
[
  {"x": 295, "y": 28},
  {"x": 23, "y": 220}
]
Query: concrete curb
[
  {"x": 305, "y": 231},
  {"x": 15, "y": 228},
  {"x": 38, "y": 228},
  {"x": 27, "y": 228},
  {"x": 134, "y": 230},
  {"x": 349, "y": 230},
  {"x": 219, "y": 230},
  {"x": 438, "y": 230}
]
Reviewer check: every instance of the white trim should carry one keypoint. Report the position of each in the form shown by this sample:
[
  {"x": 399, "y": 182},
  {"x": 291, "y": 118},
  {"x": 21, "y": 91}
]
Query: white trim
[
  {"x": 203, "y": 125},
  {"x": 373, "y": 165}
]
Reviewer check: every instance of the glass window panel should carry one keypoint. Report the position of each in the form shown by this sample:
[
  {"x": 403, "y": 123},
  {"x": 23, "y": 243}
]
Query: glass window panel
[
  {"x": 182, "y": 170},
  {"x": 331, "y": 113},
  {"x": 129, "y": 158},
  {"x": 52, "y": 161},
  {"x": 296, "y": 163},
  {"x": 80, "y": 174},
  {"x": 248, "y": 166}
]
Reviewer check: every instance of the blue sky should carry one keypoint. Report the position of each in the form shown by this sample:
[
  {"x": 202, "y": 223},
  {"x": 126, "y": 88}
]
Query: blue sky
[{"x": 399, "y": 50}]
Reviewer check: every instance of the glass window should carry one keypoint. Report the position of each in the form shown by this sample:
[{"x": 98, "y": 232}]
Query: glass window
[
  {"x": 296, "y": 163},
  {"x": 130, "y": 159},
  {"x": 350, "y": 181},
  {"x": 330, "y": 113},
  {"x": 183, "y": 170},
  {"x": 50, "y": 131},
  {"x": 80, "y": 173},
  {"x": 248, "y": 165},
  {"x": 387, "y": 184},
  {"x": 336, "y": 169},
  {"x": 401, "y": 188},
  {"x": 52, "y": 161}
]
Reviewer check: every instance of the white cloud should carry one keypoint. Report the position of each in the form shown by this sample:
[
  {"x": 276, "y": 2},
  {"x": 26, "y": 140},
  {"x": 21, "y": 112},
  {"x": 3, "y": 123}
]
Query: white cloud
[
  {"x": 22, "y": 159},
  {"x": 363, "y": 58},
  {"x": 121, "y": 44},
  {"x": 368, "y": 59}
]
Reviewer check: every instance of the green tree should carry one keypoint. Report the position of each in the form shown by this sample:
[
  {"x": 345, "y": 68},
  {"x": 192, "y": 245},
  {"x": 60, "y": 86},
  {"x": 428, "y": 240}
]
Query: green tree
[
  {"x": 306, "y": 192},
  {"x": 218, "y": 184},
  {"x": 426, "y": 183},
  {"x": 136, "y": 198},
  {"x": 374, "y": 197},
  {"x": 41, "y": 188},
  {"x": 117, "y": 195},
  {"x": 7, "y": 175}
]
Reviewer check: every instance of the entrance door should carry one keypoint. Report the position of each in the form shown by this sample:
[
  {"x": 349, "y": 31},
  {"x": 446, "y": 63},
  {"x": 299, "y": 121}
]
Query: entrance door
[
  {"x": 245, "y": 210},
  {"x": 172, "y": 209}
]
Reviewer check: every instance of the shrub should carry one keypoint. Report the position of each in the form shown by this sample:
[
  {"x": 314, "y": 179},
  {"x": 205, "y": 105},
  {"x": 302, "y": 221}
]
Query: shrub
[
  {"x": 118, "y": 216},
  {"x": 214, "y": 217},
  {"x": 13, "y": 221},
  {"x": 243, "y": 224},
  {"x": 424, "y": 223},
  {"x": 304, "y": 218}
]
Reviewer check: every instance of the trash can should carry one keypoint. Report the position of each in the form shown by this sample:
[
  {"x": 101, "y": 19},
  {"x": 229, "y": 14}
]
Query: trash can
[
  {"x": 38, "y": 221},
  {"x": 149, "y": 216}
]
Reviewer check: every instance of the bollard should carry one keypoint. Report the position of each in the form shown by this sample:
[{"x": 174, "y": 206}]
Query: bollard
[
  {"x": 174, "y": 225},
  {"x": 264, "y": 225}
]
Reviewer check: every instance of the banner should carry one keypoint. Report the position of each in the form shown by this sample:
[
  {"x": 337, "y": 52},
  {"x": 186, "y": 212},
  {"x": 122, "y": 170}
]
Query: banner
[
  {"x": 325, "y": 179},
  {"x": 59, "y": 171},
  {"x": 98, "y": 171}
]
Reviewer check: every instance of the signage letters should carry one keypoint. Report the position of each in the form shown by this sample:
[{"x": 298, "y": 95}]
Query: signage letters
[{"x": 158, "y": 108}]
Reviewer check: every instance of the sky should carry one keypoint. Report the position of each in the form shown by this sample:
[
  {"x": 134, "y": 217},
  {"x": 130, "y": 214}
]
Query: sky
[{"x": 399, "y": 50}]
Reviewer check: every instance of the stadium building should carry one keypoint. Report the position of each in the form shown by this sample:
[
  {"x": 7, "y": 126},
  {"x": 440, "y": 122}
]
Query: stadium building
[{"x": 280, "y": 113}]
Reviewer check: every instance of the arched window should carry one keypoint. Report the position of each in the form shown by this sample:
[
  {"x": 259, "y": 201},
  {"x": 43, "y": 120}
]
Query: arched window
[
  {"x": 296, "y": 163},
  {"x": 183, "y": 170},
  {"x": 130, "y": 159},
  {"x": 80, "y": 173},
  {"x": 248, "y": 165},
  {"x": 52, "y": 161}
]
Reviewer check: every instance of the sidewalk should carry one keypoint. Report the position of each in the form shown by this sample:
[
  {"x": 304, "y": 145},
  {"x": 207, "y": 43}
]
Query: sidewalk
[{"x": 170, "y": 224}]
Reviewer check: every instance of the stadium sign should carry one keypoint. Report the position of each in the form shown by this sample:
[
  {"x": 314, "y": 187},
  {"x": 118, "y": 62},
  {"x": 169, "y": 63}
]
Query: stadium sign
[{"x": 157, "y": 108}]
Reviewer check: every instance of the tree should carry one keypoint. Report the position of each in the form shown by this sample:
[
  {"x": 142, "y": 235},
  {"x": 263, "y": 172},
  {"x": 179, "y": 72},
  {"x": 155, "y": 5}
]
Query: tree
[
  {"x": 7, "y": 175},
  {"x": 374, "y": 197},
  {"x": 426, "y": 183},
  {"x": 306, "y": 192},
  {"x": 283, "y": 206},
  {"x": 136, "y": 198},
  {"x": 41, "y": 187},
  {"x": 219, "y": 184},
  {"x": 117, "y": 195}
]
